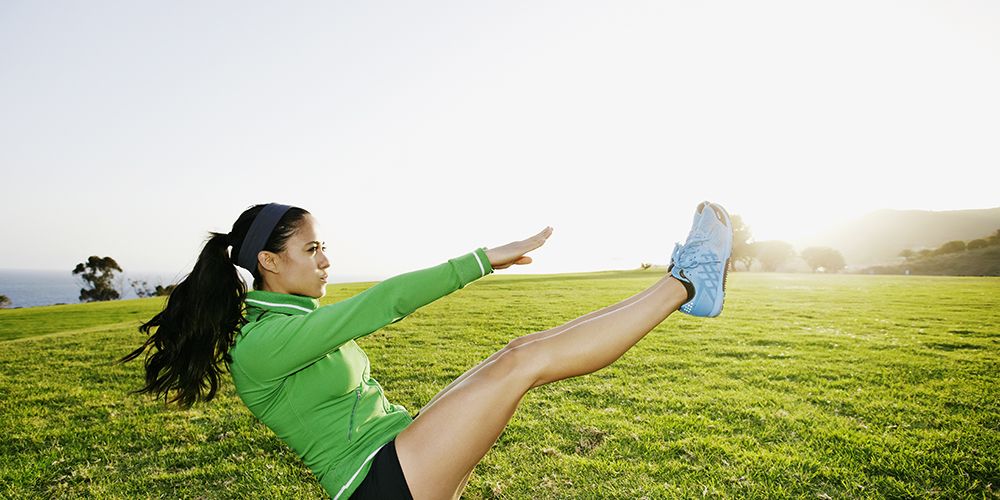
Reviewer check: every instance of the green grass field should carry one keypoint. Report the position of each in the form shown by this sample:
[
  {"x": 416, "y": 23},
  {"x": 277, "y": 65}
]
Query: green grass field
[{"x": 808, "y": 386}]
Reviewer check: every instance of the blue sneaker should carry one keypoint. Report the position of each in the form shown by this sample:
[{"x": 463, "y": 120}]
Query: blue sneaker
[{"x": 702, "y": 262}]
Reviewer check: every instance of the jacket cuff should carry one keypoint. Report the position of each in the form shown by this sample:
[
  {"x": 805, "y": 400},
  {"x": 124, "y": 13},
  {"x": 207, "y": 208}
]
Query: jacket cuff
[
  {"x": 484, "y": 259},
  {"x": 471, "y": 266}
]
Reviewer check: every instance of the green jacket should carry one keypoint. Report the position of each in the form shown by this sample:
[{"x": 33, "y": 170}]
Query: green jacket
[{"x": 297, "y": 368}]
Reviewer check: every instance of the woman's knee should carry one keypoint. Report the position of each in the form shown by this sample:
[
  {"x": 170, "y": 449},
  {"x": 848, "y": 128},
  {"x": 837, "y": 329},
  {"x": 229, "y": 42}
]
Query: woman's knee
[
  {"x": 530, "y": 338},
  {"x": 514, "y": 343},
  {"x": 518, "y": 361}
]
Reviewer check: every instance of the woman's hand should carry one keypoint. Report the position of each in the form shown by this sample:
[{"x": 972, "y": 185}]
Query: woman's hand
[{"x": 513, "y": 253}]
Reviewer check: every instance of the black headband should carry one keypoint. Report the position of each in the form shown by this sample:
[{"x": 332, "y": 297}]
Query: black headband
[{"x": 260, "y": 231}]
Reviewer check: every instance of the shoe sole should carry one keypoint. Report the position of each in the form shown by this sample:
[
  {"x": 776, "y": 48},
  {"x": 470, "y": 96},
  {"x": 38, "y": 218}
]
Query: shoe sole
[{"x": 721, "y": 295}]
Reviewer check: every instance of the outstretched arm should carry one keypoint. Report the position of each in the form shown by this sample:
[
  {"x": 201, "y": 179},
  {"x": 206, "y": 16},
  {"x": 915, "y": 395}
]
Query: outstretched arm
[
  {"x": 290, "y": 343},
  {"x": 293, "y": 342}
]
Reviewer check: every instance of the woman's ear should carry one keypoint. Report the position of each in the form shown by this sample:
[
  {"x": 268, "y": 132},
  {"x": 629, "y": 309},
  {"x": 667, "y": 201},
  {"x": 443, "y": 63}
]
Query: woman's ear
[{"x": 269, "y": 261}]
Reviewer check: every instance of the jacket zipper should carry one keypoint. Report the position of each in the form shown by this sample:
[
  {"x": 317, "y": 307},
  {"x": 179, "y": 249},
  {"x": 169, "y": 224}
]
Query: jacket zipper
[{"x": 357, "y": 399}]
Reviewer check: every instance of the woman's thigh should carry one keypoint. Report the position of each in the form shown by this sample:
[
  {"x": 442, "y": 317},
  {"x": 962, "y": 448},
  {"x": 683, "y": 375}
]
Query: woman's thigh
[{"x": 451, "y": 435}]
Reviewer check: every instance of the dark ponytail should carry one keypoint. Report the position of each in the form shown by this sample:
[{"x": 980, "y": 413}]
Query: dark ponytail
[{"x": 196, "y": 329}]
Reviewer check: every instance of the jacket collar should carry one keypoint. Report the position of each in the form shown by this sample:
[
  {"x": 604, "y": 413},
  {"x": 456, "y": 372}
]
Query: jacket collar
[{"x": 283, "y": 303}]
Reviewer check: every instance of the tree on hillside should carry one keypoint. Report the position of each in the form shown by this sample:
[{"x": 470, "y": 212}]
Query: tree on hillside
[
  {"x": 950, "y": 247},
  {"x": 823, "y": 258},
  {"x": 774, "y": 253},
  {"x": 743, "y": 251},
  {"x": 4, "y": 301},
  {"x": 142, "y": 289},
  {"x": 97, "y": 275},
  {"x": 995, "y": 238},
  {"x": 979, "y": 243},
  {"x": 907, "y": 254}
]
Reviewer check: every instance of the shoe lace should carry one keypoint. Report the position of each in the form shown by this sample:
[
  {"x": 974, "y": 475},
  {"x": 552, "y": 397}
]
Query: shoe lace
[{"x": 691, "y": 254}]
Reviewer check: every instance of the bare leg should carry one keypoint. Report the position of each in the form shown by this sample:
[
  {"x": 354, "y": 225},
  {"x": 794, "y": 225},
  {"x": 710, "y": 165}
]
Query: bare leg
[
  {"x": 453, "y": 432},
  {"x": 461, "y": 486},
  {"x": 536, "y": 335}
]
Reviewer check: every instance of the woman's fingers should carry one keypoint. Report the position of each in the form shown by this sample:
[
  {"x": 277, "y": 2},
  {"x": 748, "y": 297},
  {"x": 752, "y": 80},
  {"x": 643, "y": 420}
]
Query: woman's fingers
[
  {"x": 539, "y": 239},
  {"x": 513, "y": 253}
]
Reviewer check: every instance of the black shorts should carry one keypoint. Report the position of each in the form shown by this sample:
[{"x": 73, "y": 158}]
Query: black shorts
[{"x": 385, "y": 477}]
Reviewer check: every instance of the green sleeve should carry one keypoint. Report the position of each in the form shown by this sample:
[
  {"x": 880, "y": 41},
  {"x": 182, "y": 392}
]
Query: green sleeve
[{"x": 290, "y": 343}]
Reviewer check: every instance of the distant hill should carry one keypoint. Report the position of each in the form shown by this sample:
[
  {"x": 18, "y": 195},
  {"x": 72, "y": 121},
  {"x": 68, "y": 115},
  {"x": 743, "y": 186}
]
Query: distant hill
[
  {"x": 877, "y": 238},
  {"x": 980, "y": 262}
]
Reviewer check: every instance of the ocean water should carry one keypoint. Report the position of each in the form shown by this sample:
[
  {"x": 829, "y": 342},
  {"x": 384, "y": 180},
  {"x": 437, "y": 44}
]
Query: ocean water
[{"x": 28, "y": 288}]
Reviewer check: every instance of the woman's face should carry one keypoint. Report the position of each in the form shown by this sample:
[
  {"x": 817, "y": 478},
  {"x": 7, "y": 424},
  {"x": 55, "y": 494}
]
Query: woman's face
[{"x": 301, "y": 268}]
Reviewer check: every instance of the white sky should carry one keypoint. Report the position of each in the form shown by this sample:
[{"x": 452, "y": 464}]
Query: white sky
[{"x": 417, "y": 131}]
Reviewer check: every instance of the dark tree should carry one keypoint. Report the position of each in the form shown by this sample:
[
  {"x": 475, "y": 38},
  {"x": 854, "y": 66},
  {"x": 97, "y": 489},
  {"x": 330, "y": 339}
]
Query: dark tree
[
  {"x": 4, "y": 301},
  {"x": 98, "y": 279},
  {"x": 976, "y": 244},
  {"x": 994, "y": 239},
  {"x": 142, "y": 289},
  {"x": 907, "y": 254},
  {"x": 825, "y": 258},
  {"x": 772, "y": 254},
  {"x": 951, "y": 247},
  {"x": 743, "y": 250}
]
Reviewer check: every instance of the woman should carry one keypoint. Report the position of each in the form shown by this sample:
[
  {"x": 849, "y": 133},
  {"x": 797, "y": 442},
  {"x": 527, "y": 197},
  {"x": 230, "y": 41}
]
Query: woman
[{"x": 298, "y": 369}]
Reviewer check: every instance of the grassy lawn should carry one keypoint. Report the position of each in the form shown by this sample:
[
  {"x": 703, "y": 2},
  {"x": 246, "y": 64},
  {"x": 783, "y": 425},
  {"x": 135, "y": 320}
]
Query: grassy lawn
[{"x": 808, "y": 386}]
